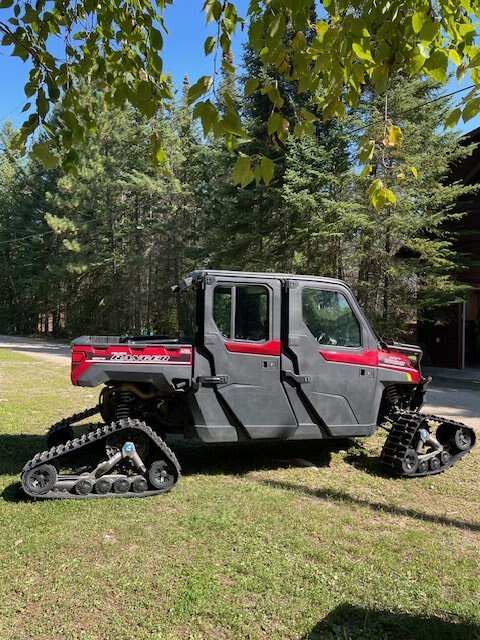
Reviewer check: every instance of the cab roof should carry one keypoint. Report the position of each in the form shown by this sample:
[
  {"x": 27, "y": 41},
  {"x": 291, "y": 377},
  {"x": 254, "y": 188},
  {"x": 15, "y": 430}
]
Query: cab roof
[{"x": 199, "y": 274}]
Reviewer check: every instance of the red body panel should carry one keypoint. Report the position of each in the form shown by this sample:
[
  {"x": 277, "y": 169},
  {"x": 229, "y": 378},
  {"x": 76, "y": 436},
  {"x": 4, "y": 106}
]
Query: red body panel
[
  {"x": 270, "y": 348},
  {"x": 372, "y": 358},
  {"x": 84, "y": 357}
]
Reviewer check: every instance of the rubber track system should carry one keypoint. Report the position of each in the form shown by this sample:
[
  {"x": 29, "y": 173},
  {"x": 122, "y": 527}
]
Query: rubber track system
[
  {"x": 66, "y": 486},
  {"x": 403, "y": 439},
  {"x": 61, "y": 431}
]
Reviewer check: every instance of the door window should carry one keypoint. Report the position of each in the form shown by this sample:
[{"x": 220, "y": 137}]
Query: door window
[
  {"x": 222, "y": 310},
  {"x": 329, "y": 318},
  {"x": 242, "y": 312}
]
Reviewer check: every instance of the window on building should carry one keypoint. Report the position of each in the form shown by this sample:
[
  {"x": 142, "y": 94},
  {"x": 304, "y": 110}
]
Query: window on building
[
  {"x": 329, "y": 318},
  {"x": 242, "y": 312}
]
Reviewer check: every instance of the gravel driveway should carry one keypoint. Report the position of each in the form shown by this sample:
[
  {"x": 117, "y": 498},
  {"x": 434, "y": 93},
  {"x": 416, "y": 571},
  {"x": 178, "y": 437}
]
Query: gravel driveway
[{"x": 39, "y": 348}]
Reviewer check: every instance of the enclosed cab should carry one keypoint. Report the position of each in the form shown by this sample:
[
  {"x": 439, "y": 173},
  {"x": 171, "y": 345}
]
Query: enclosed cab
[{"x": 260, "y": 355}]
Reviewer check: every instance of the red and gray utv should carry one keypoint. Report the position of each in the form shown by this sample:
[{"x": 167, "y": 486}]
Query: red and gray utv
[{"x": 260, "y": 356}]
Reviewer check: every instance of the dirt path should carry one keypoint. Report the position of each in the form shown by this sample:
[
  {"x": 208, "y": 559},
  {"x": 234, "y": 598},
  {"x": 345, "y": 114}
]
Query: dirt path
[{"x": 454, "y": 402}]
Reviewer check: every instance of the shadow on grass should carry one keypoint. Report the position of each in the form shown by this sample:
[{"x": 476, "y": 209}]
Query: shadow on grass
[
  {"x": 17, "y": 449},
  {"x": 242, "y": 457},
  {"x": 368, "y": 463},
  {"x": 348, "y": 622},
  {"x": 340, "y": 496}
]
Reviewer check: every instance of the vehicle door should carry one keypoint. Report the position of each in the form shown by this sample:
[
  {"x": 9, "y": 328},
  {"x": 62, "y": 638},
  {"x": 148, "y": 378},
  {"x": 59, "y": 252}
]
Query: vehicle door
[
  {"x": 333, "y": 352},
  {"x": 242, "y": 336}
]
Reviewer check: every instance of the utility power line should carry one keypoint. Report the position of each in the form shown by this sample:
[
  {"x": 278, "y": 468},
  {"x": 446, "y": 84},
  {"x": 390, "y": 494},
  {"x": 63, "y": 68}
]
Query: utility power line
[{"x": 32, "y": 235}]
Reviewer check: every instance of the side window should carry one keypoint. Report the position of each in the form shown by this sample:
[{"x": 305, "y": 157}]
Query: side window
[
  {"x": 329, "y": 318},
  {"x": 251, "y": 313},
  {"x": 222, "y": 310},
  {"x": 242, "y": 312}
]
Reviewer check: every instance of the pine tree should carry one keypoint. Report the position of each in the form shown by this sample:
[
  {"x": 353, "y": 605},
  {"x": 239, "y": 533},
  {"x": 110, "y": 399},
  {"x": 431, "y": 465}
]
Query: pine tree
[{"x": 403, "y": 252}]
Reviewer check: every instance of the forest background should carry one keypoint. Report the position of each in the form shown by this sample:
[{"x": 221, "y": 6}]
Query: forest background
[{"x": 96, "y": 251}]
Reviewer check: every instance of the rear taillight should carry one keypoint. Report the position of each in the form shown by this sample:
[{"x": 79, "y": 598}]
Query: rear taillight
[{"x": 77, "y": 358}]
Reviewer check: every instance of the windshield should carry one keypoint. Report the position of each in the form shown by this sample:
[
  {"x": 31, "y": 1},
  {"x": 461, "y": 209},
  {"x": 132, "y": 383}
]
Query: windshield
[{"x": 187, "y": 317}]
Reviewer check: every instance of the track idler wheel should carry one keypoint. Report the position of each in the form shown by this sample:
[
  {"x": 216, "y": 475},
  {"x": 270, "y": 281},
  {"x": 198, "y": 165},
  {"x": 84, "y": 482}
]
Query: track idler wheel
[
  {"x": 122, "y": 485},
  {"x": 84, "y": 486},
  {"x": 103, "y": 486},
  {"x": 162, "y": 475},
  {"x": 139, "y": 485},
  {"x": 410, "y": 462},
  {"x": 445, "y": 456},
  {"x": 462, "y": 439},
  {"x": 40, "y": 480}
]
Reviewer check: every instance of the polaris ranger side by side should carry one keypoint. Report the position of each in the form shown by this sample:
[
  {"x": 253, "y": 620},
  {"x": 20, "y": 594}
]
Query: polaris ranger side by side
[{"x": 260, "y": 356}]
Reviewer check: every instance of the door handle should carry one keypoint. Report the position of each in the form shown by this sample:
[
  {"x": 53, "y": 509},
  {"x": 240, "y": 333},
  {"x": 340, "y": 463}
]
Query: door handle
[{"x": 290, "y": 376}]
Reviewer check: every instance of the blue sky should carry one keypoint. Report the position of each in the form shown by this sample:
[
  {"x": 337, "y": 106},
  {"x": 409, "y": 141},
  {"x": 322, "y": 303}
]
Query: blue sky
[{"x": 183, "y": 54}]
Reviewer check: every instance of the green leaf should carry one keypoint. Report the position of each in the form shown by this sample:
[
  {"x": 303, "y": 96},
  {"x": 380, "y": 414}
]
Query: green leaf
[
  {"x": 298, "y": 41},
  {"x": 267, "y": 169},
  {"x": 156, "y": 39},
  {"x": 453, "y": 117},
  {"x": 308, "y": 116},
  {"x": 158, "y": 152},
  {"x": 394, "y": 137},
  {"x": 366, "y": 171},
  {"x": 209, "y": 45},
  {"x": 251, "y": 85},
  {"x": 380, "y": 76},
  {"x": 331, "y": 109},
  {"x": 212, "y": 9},
  {"x": 160, "y": 156},
  {"x": 199, "y": 88},
  {"x": 242, "y": 171},
  {"x": 274, "y": 123},
  {"x": 436, "y": 66},
  {"x": 414, "y": 171},
  {"x": 390, "y": 196},
  {"x": 455, "y": 57},
  {"x": 207, "y": 114},
  {"x": 232, "y": 124},
  {"x": 42, "y": 104},
  {"x": 379, "y": 195},
  {"x": 255, "y": 35},
  {"x": 43, "y": 152},
  {"x": 429, "y": 31},
  {"x": 361, "y": 52},
  {"x": 321, "y": 28},
  {"x": 416, "y": 62},
  {"x": 367, "y": 147},
  {"x": 472, "y": 108},
  {"x": 276, "y": 25},
  {"x": 418, "y": 20},
  {"x": 375, "y": 193},
  {"x": 20, "y": 52}
]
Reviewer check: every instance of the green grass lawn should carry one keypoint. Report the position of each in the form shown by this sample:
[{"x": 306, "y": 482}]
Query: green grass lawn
[{"x": 248, "y": 545}]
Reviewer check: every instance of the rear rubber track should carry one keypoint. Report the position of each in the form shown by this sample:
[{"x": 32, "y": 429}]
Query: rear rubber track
[
  {"x": 54, "y": 455},
  {"x": 62, "y": 431},
  {"x": 402, "y": 438}
]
